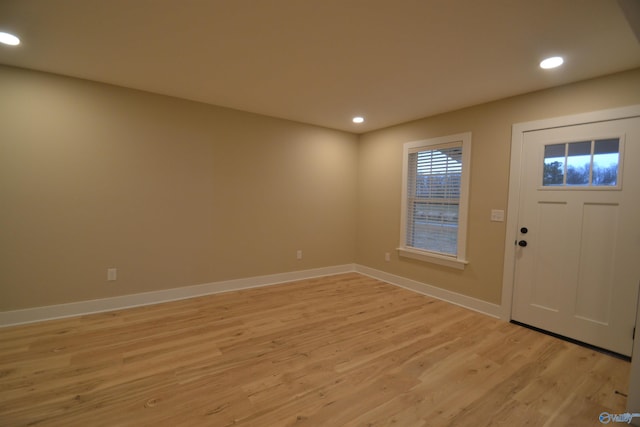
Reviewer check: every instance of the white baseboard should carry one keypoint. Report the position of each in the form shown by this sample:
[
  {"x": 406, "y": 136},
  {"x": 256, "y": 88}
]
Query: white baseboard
[
  {"x": 38, "y": 314},
  {"x": 484, "y": 307}
]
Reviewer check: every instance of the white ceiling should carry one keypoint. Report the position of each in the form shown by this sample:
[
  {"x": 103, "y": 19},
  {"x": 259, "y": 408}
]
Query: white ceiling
[{"x": 323, "y": 61}]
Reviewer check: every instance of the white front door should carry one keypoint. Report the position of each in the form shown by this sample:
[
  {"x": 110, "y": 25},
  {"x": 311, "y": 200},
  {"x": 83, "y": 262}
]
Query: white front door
[{"x": 577, "y": 267}]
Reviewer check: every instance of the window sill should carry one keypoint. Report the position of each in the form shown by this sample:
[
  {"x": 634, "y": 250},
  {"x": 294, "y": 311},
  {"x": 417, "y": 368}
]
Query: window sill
[{"x": 433, "y": 258}]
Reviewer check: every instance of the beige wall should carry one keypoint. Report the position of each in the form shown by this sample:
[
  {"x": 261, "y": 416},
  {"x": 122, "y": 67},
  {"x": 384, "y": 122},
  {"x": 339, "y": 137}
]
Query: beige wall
[
  {"x": 171, "y": 192},
  {"x": 175, "y": 193},
  {"x": 380, "y": 173}
]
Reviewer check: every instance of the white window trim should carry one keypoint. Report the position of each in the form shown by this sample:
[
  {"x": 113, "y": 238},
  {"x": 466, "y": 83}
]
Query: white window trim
[{"x": 460, "y": 260}]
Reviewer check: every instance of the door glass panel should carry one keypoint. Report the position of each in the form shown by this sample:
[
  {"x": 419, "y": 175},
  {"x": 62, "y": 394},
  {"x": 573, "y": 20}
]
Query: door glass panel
[
  {"x": 606, "y": 156},
  {"x": 578, "y": 163},
  {"x": 582, "y": 163},
  {"x": 554, "y": 156}
]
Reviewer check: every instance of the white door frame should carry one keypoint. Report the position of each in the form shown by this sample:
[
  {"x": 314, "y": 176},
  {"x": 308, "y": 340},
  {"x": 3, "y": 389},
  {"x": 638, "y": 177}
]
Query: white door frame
[{"x": 517, "y": 136}]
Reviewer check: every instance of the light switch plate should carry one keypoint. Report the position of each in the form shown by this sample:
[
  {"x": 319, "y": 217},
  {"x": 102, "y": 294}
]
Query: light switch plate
[{"x": 497, "y": 215}]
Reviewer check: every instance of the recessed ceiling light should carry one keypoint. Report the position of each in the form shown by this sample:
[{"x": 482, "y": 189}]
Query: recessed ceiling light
[
  {"x": 553, "y": 62},
  {"x": 358, "y": 119},
  {"x": 10, "y": 39}
]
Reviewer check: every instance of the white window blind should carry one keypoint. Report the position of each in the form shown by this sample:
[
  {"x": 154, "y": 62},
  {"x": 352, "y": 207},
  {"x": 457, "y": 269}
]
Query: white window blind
[
  {"x": 434, "y": 199},
  {"x": 434, "y": 203}
]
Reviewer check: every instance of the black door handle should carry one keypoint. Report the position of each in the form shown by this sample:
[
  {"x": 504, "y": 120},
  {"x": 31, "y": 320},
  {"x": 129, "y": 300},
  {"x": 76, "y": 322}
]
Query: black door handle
[{"x": 522, "y": 243}]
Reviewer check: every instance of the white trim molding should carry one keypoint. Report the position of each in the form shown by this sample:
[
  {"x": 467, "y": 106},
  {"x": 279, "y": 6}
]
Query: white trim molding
[
  {"x": 433, "y": 257},
  {"x": 38, "y": 314},
  {"x": 461, "y": 300},
  {"x": 633, "y": 400},
  {"x": 81, "y": 308},
  {"x": 517, "y": 137},
  {"x": 462, "y": 141}
]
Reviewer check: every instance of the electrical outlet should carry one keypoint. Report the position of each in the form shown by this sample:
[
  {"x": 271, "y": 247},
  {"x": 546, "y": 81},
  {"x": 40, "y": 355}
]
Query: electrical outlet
[
  {"x": 299, "y": 254},
  {"x": 112, "y": 274},
  {"x": 387, "y": 256}
]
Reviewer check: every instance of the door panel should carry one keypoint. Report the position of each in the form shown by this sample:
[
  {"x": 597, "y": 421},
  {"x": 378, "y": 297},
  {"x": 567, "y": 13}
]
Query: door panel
[
  {"x": 547, "y": 272},
  {"x": 579, "y": 272},
  {"x": 595, "y": 271}
]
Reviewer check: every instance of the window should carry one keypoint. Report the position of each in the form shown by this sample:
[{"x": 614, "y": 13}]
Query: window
[
  {"x": 434, "y": 200},
  {"x": 587, "y": 164}
]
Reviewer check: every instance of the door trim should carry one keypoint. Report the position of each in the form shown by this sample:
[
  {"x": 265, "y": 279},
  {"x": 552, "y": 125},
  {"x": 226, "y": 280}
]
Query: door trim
[{"x": 517, "y": 137}]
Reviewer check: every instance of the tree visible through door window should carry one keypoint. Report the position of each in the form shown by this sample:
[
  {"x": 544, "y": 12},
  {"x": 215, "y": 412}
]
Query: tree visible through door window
[{"x": 582, "y": 163}]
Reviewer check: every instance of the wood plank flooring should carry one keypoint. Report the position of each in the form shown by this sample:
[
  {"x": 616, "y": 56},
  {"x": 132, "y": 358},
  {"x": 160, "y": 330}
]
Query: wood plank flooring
[{"x": 344, "y": 350}]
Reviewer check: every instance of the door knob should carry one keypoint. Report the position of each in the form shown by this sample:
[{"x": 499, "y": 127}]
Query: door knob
[
  {"x": 522, "y": 243},
  {"x": 524, "y": 230}
]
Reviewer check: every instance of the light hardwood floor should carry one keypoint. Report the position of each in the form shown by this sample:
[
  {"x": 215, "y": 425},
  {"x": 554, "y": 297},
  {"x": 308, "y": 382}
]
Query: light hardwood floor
[{"x": 344, "y": 350}]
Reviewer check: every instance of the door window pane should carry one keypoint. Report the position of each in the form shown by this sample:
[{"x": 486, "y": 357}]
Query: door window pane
[
  {"x": 554, "y": 156},
  {"x": 606, "y": 156},
  {"x": 578, "y": 163}
]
